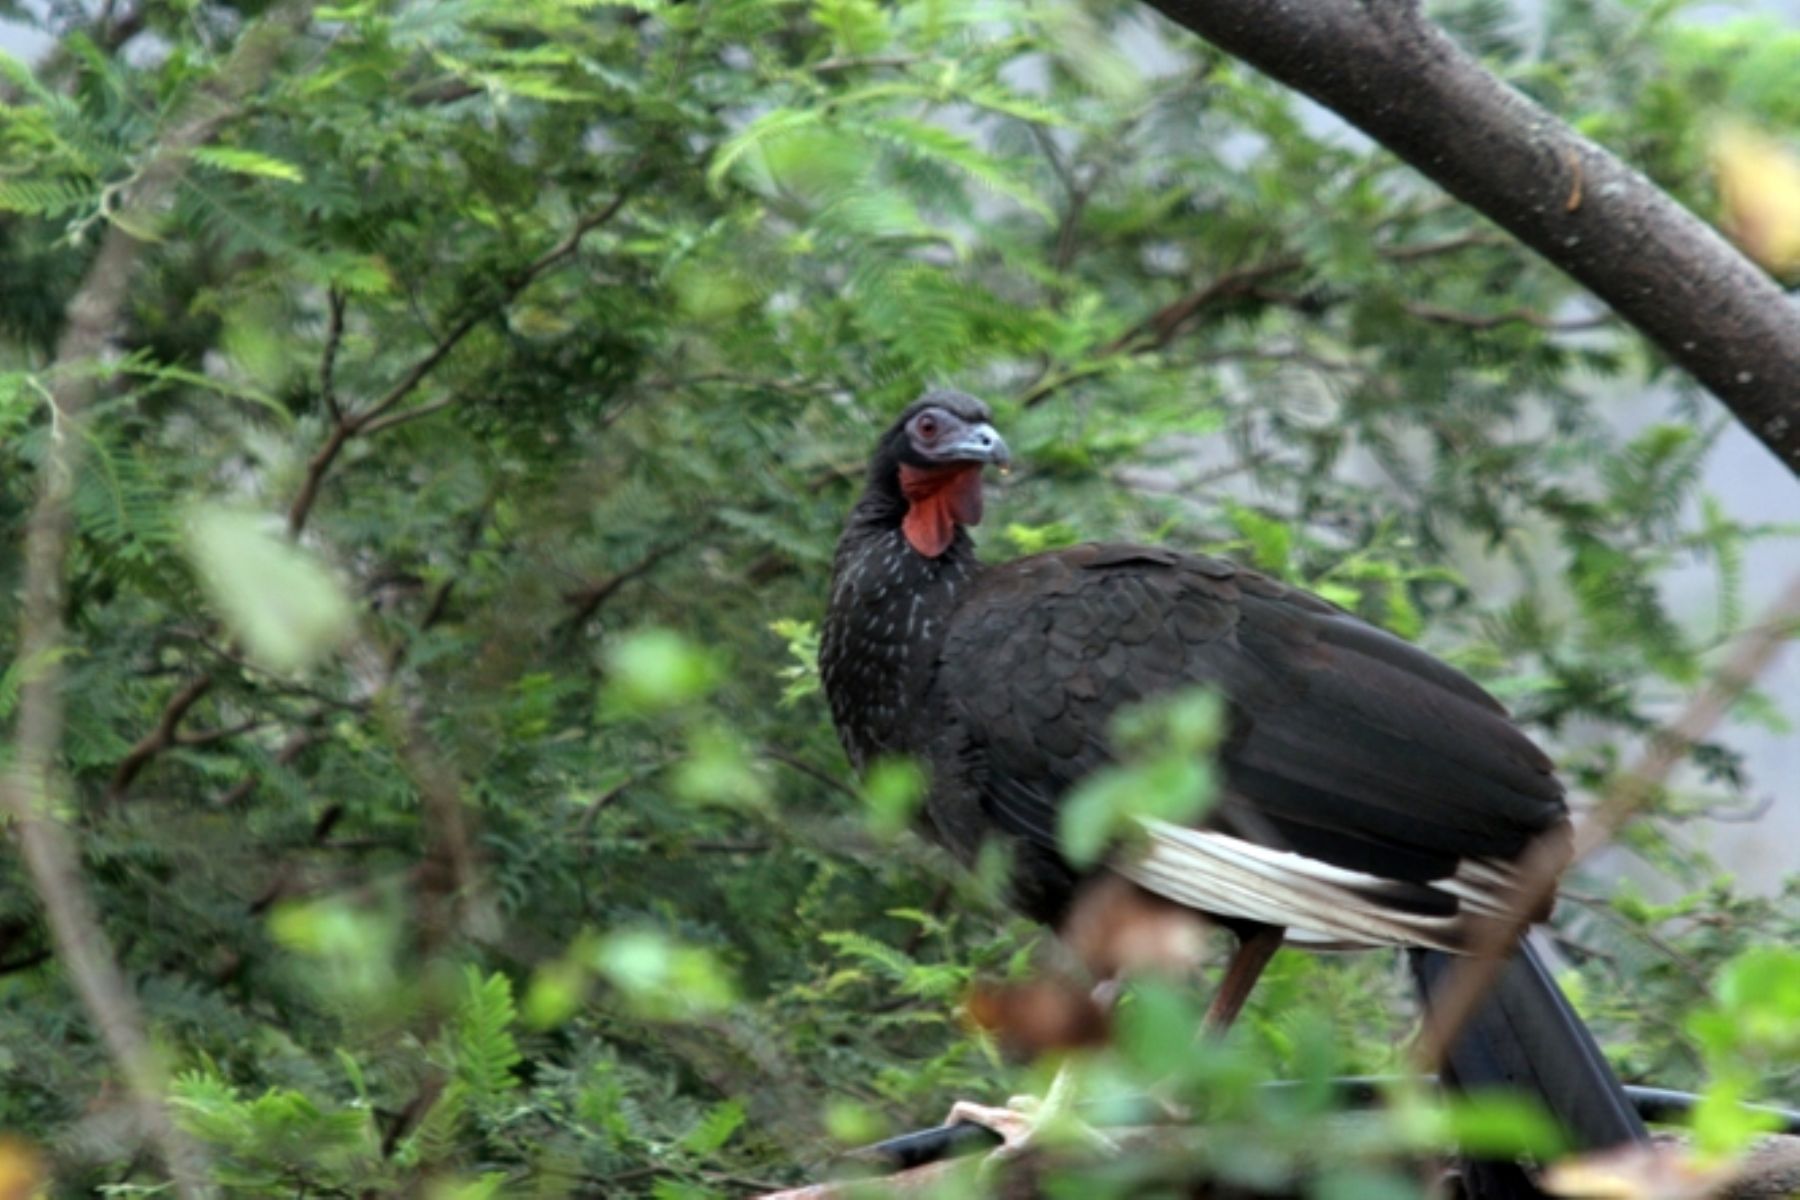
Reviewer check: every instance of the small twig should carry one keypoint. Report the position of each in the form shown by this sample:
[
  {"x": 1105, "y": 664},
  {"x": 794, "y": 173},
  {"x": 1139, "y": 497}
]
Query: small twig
[
  {"x": 1408, "y": 251},
  {"x": 1547, "y": 858},
  {"x": 408, "y": 1118},
  {"x": 851, "y": 62},
  {"x": 515, "y": 284},
  {"x": 806, "y": 768},
  {"x": 447, "y": 878},
  {"x": 317, "y": 467},
  {"x": 588, "y": 599},
  {"x": 1605, "y": 909},
  {"x": 290, "y": 750},
  {"x": 1054, "y": 157},
  {"x": 375, "y": 426},
  {"x": 1160, "y": 327},
  {"x": 349, "y": 425},
  {"x": 1157, "y": 330},
  {"x": 276, "y": 681},
  {"x": 1513, "y": 316},
  {"x": 208, "y": 737},
  {"x": 584, "y": 827},
  {"x": 334, "y": 336},
  {"x": 35, "y": 959},
  {"x": 160, "y": 738}
]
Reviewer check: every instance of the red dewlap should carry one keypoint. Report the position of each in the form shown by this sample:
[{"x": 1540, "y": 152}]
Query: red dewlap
[{"x": 938, "y": 500}]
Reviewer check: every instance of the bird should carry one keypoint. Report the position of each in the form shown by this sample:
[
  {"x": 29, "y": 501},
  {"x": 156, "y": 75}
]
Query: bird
[{"x": 1370, "y": 794}]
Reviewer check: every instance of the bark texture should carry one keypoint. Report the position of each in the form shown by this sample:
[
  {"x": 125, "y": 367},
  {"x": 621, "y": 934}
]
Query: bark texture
[{"x": 1390, "y": 72}]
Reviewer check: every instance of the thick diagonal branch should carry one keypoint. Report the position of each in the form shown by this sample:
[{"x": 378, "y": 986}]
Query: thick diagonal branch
[{"x": 1397, "y": 77}]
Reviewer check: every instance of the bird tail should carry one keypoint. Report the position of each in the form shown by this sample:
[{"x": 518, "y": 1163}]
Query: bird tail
[{"x": 1527, "y": 1038}]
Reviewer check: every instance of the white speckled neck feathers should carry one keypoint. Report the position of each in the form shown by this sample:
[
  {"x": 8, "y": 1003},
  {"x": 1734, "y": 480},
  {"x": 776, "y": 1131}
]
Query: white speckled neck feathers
[{"x": 884, "y": 626}]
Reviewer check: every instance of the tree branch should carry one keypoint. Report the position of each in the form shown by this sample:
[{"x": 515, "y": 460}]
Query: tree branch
[
  {"x": 587, "y": 599},
  {"x": 92, "y": 321},
  {"x": 1398, "y": 78},
  {"x": 376, "y": 425},
  {"x": 348, "y": 425},
  {"x": 291, "y": 749},
  {"x": 515, "y": 284},
  {"x": 1512, "y": 316},
  {"x": 334, "y": 336},
  {"x": 160, "y": 738},
  {"x": 317, "y": 467},
  {"x": 1546, "y": 860}
]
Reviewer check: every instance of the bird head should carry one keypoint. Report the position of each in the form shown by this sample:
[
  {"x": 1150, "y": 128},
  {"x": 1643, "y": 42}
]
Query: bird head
[{"x": 933, "y": 456}]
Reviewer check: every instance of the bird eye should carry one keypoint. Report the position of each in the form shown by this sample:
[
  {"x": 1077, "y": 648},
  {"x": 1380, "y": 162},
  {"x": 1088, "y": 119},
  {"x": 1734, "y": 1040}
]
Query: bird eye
[{"x": 927, "y": 427}]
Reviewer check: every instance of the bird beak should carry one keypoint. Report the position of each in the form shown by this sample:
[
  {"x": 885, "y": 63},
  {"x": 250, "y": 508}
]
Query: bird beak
[{"x": 978, "y": 444}]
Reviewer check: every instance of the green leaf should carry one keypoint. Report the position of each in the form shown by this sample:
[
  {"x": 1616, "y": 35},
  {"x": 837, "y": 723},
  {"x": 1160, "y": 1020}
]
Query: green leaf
[
  {"x": 857, "y": 26},
  {"x": 654, "y": 670},
  {"x": 935, "y": 142},
  {"x": 1503, "y": 1124},
  {"x": 1723, "y": 1124},
  {"x": 663, "y": 979},
  {"x": 558, "y": 990},
  {"x": 287, "y": 609},
  {"x": 481, "y": 1041},
  {"x": 802, "y": 673},
  {"x": 238, "y": 161},
  {"x": 892, "y": 790},
  {"x": 1271, "y": 541},
  {"x": 770, "y": 125},
  {"x": 718, "y": 769},
  {"x": 223, "y": 387},
  {"x": 1166, "y": 775},
  {"x": 715, "y": 1128}
]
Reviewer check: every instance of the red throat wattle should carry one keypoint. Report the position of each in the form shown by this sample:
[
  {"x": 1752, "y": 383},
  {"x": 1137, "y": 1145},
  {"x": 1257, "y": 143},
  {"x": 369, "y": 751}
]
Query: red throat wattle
[{"x": 938, "y": 499}]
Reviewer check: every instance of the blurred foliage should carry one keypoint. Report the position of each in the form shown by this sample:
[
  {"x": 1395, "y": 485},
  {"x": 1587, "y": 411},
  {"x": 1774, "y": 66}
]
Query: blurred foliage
[{"x": 504, "y": 846}]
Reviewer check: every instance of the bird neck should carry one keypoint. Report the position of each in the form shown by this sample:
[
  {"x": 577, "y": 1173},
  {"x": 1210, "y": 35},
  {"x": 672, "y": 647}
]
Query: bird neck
[{"x": 890, "y": 606}]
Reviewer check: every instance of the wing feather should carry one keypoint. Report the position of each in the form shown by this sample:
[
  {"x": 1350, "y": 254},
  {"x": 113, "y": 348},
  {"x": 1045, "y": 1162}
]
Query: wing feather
[{"x": 1372, "y": 793}]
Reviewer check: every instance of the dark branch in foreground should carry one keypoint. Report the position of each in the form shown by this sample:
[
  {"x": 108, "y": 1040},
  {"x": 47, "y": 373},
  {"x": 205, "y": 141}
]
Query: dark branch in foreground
[{"x": 1397, "y": 77}]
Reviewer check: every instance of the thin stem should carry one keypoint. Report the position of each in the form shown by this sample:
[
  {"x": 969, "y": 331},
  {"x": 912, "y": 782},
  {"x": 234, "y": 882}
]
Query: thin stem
[{"x": 1548, "y": 857}]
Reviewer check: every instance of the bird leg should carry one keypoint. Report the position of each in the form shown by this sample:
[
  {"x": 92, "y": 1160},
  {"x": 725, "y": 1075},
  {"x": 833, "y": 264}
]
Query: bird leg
[
  {"x": 1036, "y": 1018},
  {"x": 1253, "y": 953},
  {"x": 1022, "y": 1122},
  {"x": 1255, "y": 948}
]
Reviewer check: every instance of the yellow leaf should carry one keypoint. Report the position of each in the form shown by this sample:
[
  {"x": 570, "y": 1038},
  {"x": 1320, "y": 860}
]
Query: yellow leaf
[
  {"x": 22, "y": 1175},
  {"x": 1759, "y": 180}
]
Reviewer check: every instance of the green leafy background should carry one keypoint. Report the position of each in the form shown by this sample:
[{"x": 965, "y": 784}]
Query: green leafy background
[{"x": 568, "y": 585}]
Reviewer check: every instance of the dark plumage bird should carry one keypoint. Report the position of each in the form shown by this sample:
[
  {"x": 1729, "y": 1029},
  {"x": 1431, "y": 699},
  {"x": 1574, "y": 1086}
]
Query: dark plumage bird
[{"x": 1371, "y": 794}]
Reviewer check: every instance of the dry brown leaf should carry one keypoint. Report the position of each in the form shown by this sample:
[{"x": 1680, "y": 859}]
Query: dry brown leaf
[
  {"x": 1117, "y": 928},
  {"x": 1029, "y": 1019}
]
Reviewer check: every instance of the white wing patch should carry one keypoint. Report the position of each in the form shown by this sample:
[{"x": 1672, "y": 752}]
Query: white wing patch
[{"x": 1315, "y": 901}]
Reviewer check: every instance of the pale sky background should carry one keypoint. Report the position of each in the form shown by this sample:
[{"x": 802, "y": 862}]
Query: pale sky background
[{"x": 1746, "y": 479}]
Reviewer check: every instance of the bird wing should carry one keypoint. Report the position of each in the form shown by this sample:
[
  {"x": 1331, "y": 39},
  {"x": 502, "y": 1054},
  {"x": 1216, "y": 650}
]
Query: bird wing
[{"x": 1371, "y": 793}]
